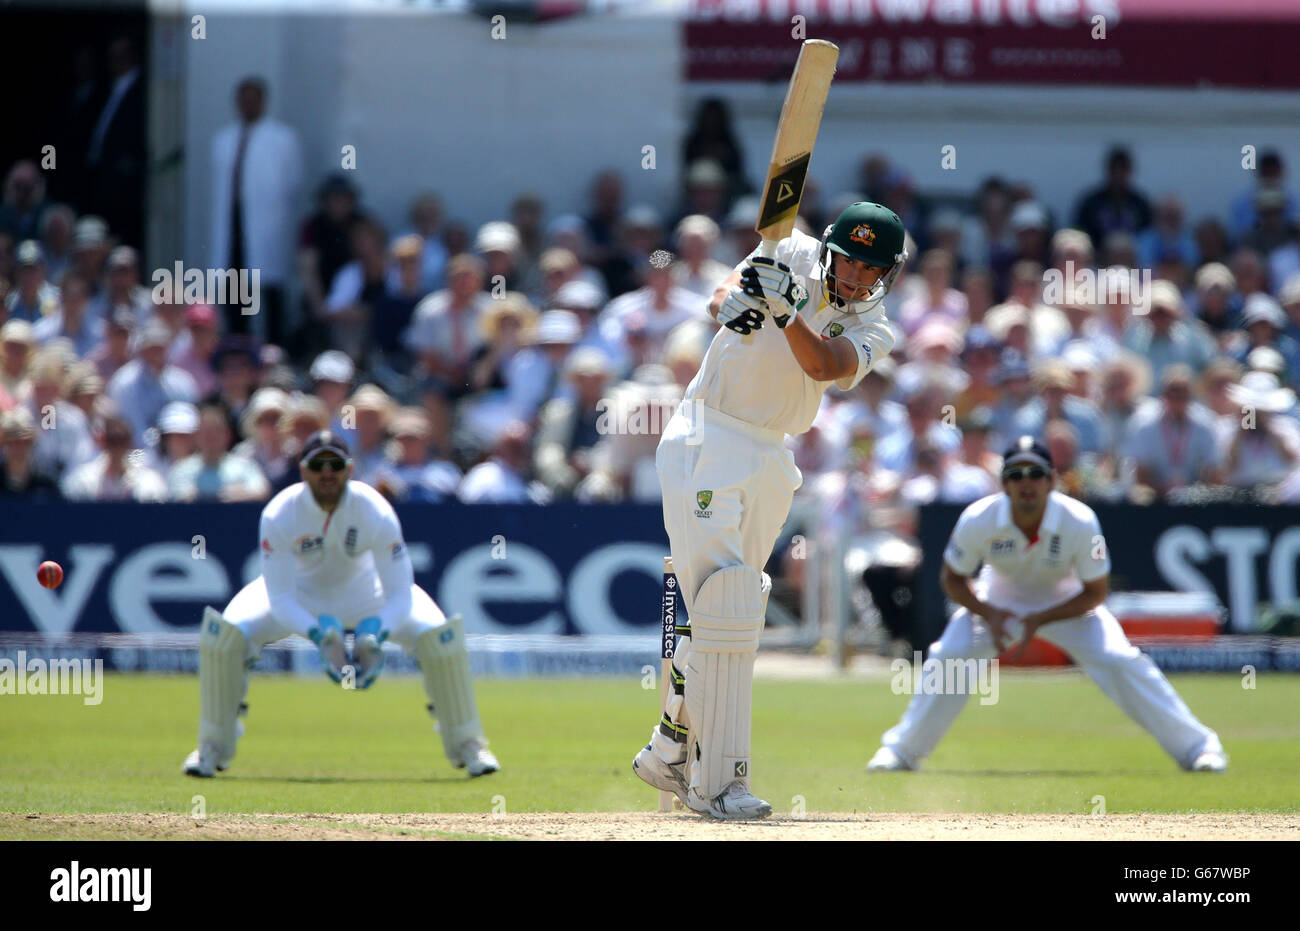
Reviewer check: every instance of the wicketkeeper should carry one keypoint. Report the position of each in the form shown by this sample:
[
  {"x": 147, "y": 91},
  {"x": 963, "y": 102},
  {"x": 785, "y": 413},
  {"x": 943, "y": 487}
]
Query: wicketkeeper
[{"x": 333, "y": 559}]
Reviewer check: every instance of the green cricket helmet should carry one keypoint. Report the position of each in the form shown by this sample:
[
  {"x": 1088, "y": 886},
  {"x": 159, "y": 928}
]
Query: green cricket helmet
[{"x": 871, "y": 234}]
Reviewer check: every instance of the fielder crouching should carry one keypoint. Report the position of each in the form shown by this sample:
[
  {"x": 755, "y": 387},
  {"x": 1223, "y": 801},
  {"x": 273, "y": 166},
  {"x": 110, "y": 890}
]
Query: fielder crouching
[{"x": 333, "y": 556}]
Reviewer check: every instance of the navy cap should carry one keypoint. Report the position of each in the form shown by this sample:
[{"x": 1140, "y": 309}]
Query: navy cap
[
  {"x": 325, "y": 441},
  {"x": 1027, "y": 449}
]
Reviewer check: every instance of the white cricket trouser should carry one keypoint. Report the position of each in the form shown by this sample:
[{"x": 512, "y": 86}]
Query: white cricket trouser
[
  {"x": 749, "y": 478},
  {"x": 250, "y": 611},
  {"x": 1096, "y": 643}
]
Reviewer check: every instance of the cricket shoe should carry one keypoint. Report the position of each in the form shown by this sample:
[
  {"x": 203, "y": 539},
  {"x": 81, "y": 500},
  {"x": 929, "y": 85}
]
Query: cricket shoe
[
  {"x": 666, "y": 777},
  {"x": 886, "y": 760},
  {"x": 734, "y": 803},
  {"x": 1210, "y": 761},
  {"x": 206, "y": 762},
  {"x": 476, "y": 759}
]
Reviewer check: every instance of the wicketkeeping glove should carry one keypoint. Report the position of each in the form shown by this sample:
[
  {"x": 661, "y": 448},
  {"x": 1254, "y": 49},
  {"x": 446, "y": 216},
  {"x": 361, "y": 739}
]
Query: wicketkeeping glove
[
  {"x": 742, "y": 311},
  {"x": 784, "y": 292}
]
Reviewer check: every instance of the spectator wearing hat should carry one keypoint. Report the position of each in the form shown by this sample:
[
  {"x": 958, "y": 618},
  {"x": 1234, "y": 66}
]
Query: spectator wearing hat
[
  {"x": 503, "y": 477},
  {"x": 696, "y": 270},
  {"x": 262, "y": 441},
  {"x": 90, "y": 246},
  {"x": 1053, "y": 383},
  {"x": 373, "y": 410},
  {"x": 33, "y": 298},
  {"x": 194, "y": 349},
  {"x": 324, "y": 247},
  {"x": 1172, "y": 445},
  {"x": 939, "y": 300},
  {"x": 115, "y": 474},
  {"x": 110, "y": 356},
  {"x": 143, "y": 386},
  {"x": 1115, "y": 206},
  {"x": 507, "y": 326},
  {"x": 237, "y": 362},
  {"x": 1265, "y": 325},
  {"x": 534, "y": 373},
  {"x": 20, "y": 474},
  {"x": 65, "y": 439},
  {"x": 409, "y": 471},
  {"x": 72, "y": 320},
  {"x": 499, "y": 245},
  {"x": 331, "y": 377},
  {"x": 1164, "y": 336},
  {"x": 257, "y": 173},
  {"x": 178, "y": 427},
  {"x": 84, "y": 388},
  {"x": 1262, "y": 438},
  {"x": 122, "y": 289},
  {"x": 1211, "y": 302},
  {"x": 17, "y": 344},
  {"x": 1270, "y": 172},
  {"x": 1031, "y": 227},
  {"x": 556, "y": 267},
  {"x": 446, "y": 329},
  {"x": 567, "y": 426},
  {"x": 1084, "y": 365},
  {"x": 661, "y": 305},
  {"x": 213, "y": 473}
]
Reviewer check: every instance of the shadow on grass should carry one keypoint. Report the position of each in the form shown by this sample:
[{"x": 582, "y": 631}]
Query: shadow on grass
[
  {"x": 344, "y": 780},
  {"x": 1038, "y": 773}
]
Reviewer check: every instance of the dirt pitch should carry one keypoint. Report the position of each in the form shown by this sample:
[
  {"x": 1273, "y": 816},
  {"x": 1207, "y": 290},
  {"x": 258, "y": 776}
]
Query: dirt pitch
[{"x": 643, "y": 826}]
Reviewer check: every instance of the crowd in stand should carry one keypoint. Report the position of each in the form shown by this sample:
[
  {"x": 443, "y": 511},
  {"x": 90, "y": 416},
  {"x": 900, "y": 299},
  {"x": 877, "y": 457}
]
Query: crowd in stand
[{"x": 536, "y": 358}]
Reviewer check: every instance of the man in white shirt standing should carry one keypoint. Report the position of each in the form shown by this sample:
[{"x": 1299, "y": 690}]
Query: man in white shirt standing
[
  {"x": 333, "y": 556},
  {"x": 256, "y": 175},
  {"x": 1046, "y": 573}
]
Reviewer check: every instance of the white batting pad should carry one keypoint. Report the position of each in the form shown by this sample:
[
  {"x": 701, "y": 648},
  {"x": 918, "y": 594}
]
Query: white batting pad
[
  {"x": 444, "y": 664},
  {"x": 223, "y": 681},
  {"x": 725, "y": 630}
]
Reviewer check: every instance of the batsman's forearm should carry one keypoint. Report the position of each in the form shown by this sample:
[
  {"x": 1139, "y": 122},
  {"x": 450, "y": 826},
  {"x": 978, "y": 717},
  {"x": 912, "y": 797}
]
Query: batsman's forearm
[{"x": 813, "y": 353}]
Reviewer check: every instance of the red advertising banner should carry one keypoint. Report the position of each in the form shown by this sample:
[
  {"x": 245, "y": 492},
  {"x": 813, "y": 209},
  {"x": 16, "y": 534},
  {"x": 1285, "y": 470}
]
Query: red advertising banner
[{"x": 1227, "y": 43}]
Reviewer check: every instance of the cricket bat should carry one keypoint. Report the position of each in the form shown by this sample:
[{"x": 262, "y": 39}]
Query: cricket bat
[
  {"x": 667, "y": 645},
  {"x": 796, "y": 134}
]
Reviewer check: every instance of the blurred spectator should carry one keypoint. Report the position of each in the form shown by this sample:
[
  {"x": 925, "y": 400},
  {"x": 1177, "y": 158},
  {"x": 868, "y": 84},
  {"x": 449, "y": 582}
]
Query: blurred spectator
[
  {"x": 65, "y": 440},
  {"x": 506, "y": 326},
  {"x": 696, "y": 270},
  {"x": 237, "y": 363},
  {"x": 1165, "y": 337},
  {"x": 324, "y": 247},
  {"x": 1015, "y": 391},
  {"x": 1084, "y": 366},
  {"x": 1289, "y": 298},
  {"x": 71, "y": 319},
  {"x": 90, "y": 245},
  {"x": 979, "y": 360},
  {"x": 445, "y": 331},
  {"x": 33, "y": 298},
  {"x": 84, "y": 388},
  {"x": 118, "y": 473},
  {"x": 707, "y": 190},
  {"x": 1269, "y": 173},
  {"x": 685, "y": 348},
  {"x": 1173, "y": 444},
  {"x": 1250, "y": 273},
  {"x": 57, "y": 227},
  {"x": 1062, "y": 442},
  {"x": 1212, "y": 242},
  {"x": 568, "y": 233},
  {"x": 23, "y": 205},
  {"x": 1031, "y": 227},
  {"x": 933, "y": 351},
  {"x": 110, "y": 356},
  {"x": 941, "y": 476},
  {"x": 978, "y": 285},
  {"x": 257, "y": 172},
  {"x": 331, "y": 376},
  {"x": 602, "y": 221},
  {"x": 499, "y": 245},
  {"x": 1265, "y": 325},
  {"x": 976, "y": 429},
  {"x": 659, "y": 304},
  {"x": 142, "y": 387},
  {"x": 1125, "y": 381},
  {"x": 194, "y": 349},
  {"x": 305, "y": 415},
  {"x": 426, "y": 222},
  {"x": 16, "y": 347},
  {"x": 939, "y": 301},
  {"x": 640, "y": 234},
  {"x": 1054, "y": 401},
  {"x": 212, "y": 473},
  {"x": 117, "y": 158},
  {"x": 409, "y": 473},
  {"x": 1284, "y": 261},
  {"x": 526, "y": 213},
  {"x": 263, "y": 442},
  {"x": 393, "y": 310},
  {"x": 356, "y": 289},
  {"x": 178, "y": 427},
  {"x": 122, "y": 290},
  {"x": 924, "y": 404},
  {"x": 711, "y": 137},
  {"x": 988, "y": 238},
  {"x": 503, "y": 478},
  {"x": 533, "y": 373},
  {"x": 623, "y": 462},
  {"x": 567, "y": 426},
  {"x": 1219, "y": 376},
  {"x": 1044, "y": 327},
  {"x": 1261, "y": 438},
  {"x": 1272, "y": 228},
  {"x": 1081, "y": 324},
  {"x": 740, "y": 239},
  {"x": 1212, "y": 301},
  {"x": 1119, "y": 249},
  {"x": 20, "y": 475},
  {"x": 1115, "y": 206},
  {"x": 1167, "y": 235},
  {"x": 373, "y": 409}
]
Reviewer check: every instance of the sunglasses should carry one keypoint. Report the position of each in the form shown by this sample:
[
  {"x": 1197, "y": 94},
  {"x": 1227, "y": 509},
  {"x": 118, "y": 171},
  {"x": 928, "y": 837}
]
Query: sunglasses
[
  {"x": 332, "y": 463},
  {"x": 1014, "y": 475}
]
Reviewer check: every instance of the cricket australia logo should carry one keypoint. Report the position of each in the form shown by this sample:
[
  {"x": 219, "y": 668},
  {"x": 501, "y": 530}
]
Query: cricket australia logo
[
  {"x": 833, "y": 330},
  {"x": 863, "y": 234},
  {"x": 703, "y": 499}
]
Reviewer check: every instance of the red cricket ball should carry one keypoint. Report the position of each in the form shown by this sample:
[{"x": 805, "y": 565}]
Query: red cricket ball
[{"x": 50, "y": 574}]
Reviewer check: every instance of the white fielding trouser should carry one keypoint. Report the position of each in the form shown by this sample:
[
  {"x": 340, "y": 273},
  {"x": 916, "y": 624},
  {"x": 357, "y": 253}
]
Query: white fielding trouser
[
  {"x": 250, "y": 611},
  {"x": 1098, "y": 645}
]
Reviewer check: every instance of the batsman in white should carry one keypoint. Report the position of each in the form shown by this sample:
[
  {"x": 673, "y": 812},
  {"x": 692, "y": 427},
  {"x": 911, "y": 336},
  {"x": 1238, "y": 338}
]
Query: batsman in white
[
  {"x": 728, "y": 479},
  {"x": 1046, "y": 574},
  {"x": 333, "y": 556}
]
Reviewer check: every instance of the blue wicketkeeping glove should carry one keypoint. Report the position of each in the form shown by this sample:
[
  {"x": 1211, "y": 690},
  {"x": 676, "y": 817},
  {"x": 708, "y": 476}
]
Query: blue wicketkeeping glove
[
  {"x": 328, "y": 636},
  {"x": 368, "y": 651}
]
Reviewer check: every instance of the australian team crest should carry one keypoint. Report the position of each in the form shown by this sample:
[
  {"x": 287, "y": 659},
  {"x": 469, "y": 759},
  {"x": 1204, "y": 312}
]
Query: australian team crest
[
  {"x": 834, "y": 330},
  {"x": 703, "y": 499},
  {"x": 863, "y": 234}
]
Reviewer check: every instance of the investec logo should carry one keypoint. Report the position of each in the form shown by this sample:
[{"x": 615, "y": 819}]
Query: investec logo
[
  {"x": 104, "y": 884},
  {"x": 219, "y": 287},
  {"x": 670, "y": 617}
]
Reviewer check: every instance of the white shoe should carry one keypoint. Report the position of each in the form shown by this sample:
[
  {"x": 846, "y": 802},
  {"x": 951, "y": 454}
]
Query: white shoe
[
  {"x": 1210, "y": 761},
  {"x": 735, "y": 803},
  {"x": 203, "y": 763},
  {"x": 886, "y": 760},
  {"x": 476, "y": 758},
  {"x": 666, "y": 777}
]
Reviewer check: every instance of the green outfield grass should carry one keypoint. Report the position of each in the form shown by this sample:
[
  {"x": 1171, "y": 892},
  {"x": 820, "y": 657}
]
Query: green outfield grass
[{"x": 1050, "y": 745}]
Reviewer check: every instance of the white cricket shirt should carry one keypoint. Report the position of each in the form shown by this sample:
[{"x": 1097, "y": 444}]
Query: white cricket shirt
[
  {"x": 342, "y": 562},
  {"x": 757, "y": 379},
  {"x": 1020, "y": 574}
]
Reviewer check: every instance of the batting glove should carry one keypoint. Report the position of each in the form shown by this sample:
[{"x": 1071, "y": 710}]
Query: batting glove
[
  {"x": 742, "y": 311},
  {"x": 773, "y": 280}
]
